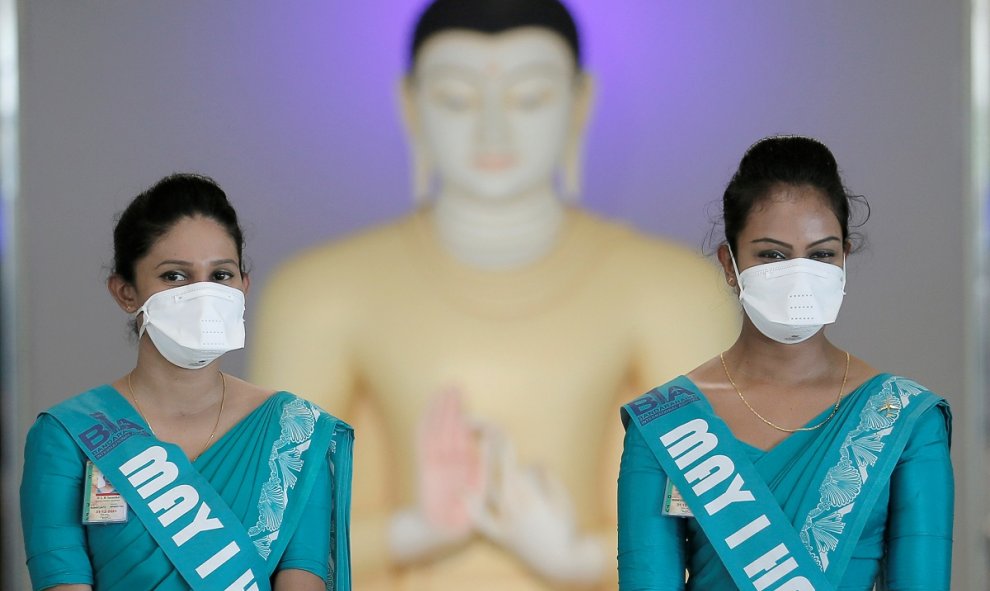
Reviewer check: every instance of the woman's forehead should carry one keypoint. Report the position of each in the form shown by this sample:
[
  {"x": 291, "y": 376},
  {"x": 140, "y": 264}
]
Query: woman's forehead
[
  {"x": 798, "y": 208},
  {"x": 192, "y": 236}
]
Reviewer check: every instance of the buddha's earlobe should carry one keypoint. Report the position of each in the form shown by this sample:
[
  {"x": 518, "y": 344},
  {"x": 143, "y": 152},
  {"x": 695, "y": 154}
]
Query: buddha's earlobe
[
  {"x": 571, "y": 171},
  {"x": 422, "y": 170},
  {"x": 572, "y": 156}
]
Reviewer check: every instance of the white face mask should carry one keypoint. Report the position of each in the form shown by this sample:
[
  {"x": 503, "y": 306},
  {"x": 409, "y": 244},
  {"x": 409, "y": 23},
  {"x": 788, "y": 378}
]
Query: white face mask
[
  {"x": 194, "y": 324},
  {"x": 789, "y": 301}
]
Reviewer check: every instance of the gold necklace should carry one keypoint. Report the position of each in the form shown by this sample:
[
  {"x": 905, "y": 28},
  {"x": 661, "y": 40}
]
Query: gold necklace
[
  {"x": 223, "y": 397},
  {"x": 835, "y": 407}
]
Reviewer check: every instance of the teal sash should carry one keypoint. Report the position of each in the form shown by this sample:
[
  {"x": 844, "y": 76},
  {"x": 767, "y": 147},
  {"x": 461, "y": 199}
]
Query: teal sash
[
  {"x": 743, "y": 521},
  {"x": 755, "y": 540},
  {"x": 203, "y": 539}
]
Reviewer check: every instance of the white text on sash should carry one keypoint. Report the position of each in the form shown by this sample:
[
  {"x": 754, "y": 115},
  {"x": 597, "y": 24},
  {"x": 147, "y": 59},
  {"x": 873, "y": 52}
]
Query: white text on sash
[
  {"x": 152, "y": 476},
  {"x": 713, "y": 478}
]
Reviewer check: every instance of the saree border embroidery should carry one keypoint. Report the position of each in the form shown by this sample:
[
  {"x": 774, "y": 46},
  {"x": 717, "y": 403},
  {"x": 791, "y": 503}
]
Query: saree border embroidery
[
  {"x": 858, "y": 454},
  {"x": 297, "y": 423}
]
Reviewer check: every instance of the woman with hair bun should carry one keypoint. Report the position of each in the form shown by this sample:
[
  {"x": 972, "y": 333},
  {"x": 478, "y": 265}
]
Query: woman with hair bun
[
  {"x": 785, "y": 463},
  {"x": 176, "y": 475}
]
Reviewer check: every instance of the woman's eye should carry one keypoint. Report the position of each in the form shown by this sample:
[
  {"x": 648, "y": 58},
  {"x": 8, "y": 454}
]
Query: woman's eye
[
  {"x": 822, "y": 254},
  {"x": 773, "y": 255},
  {"x": 173, "y": 276},
  {"x": 222, "y": 276}
]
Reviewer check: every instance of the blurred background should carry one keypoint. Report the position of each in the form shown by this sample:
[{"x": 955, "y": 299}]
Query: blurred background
[{"x": 292, "y": 109}]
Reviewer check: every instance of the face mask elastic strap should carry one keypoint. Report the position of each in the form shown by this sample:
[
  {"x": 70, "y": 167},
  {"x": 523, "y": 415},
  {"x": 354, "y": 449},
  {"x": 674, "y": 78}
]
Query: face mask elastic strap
[
  {"x": 144, "y": 325},
  {"x": 144, "y": 318},
  {"x": 734, "y": 268},
  {"x": 844, "y": 271}
]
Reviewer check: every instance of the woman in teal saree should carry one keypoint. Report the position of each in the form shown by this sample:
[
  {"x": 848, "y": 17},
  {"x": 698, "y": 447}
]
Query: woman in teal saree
[
  {"x": 177, "y": 476},
  {"x": 785, "y": 463}
]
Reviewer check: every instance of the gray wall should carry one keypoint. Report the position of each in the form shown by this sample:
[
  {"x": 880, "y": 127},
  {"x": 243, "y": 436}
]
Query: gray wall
[{"x": 290, "y": 106}]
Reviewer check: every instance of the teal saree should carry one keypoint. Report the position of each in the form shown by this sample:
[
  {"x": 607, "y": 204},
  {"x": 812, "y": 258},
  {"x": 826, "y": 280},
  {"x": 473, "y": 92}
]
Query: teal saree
[
  {"x": 282, "y": 476},
  {"x": 868, "y": 497}
]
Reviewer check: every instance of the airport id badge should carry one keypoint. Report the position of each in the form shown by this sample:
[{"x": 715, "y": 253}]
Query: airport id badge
[
  {"x": 674, "y": 504},
  {"x": 102, "y": 503}
]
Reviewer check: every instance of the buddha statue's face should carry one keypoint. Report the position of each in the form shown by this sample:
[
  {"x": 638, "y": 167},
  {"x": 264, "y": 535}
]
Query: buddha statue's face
[{"x": 494, "y": 113}]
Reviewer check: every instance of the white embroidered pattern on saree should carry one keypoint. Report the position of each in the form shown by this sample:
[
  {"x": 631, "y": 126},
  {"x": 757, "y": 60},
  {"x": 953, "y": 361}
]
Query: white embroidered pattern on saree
[
  {"x": 857, "y": 457},
  {"x": 298, "y": 421}
]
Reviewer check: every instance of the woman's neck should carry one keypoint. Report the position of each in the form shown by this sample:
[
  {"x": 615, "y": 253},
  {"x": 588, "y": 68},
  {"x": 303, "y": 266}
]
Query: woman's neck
[
  {"x": 165, "y": 389},
  {"x": 758, "y": 357},
  {"x": 499, "y": 233}
]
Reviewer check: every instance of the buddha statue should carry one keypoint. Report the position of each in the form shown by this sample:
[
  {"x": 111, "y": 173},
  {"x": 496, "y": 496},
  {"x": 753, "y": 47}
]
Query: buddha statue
[{"x": 482, "y": 344}]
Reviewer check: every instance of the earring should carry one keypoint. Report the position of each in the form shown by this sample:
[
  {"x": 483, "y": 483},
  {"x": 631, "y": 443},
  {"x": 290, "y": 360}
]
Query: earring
[{"x": 732, "y": 281}]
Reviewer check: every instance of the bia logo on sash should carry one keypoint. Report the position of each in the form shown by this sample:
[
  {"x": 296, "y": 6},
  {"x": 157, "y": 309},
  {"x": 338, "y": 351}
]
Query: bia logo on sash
[
  {"x": 716, "y": 483},
  {"x": 105, "y": 435},
  {"x": 656, "y": 403},
  {"x": 153, "y": 477}
]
